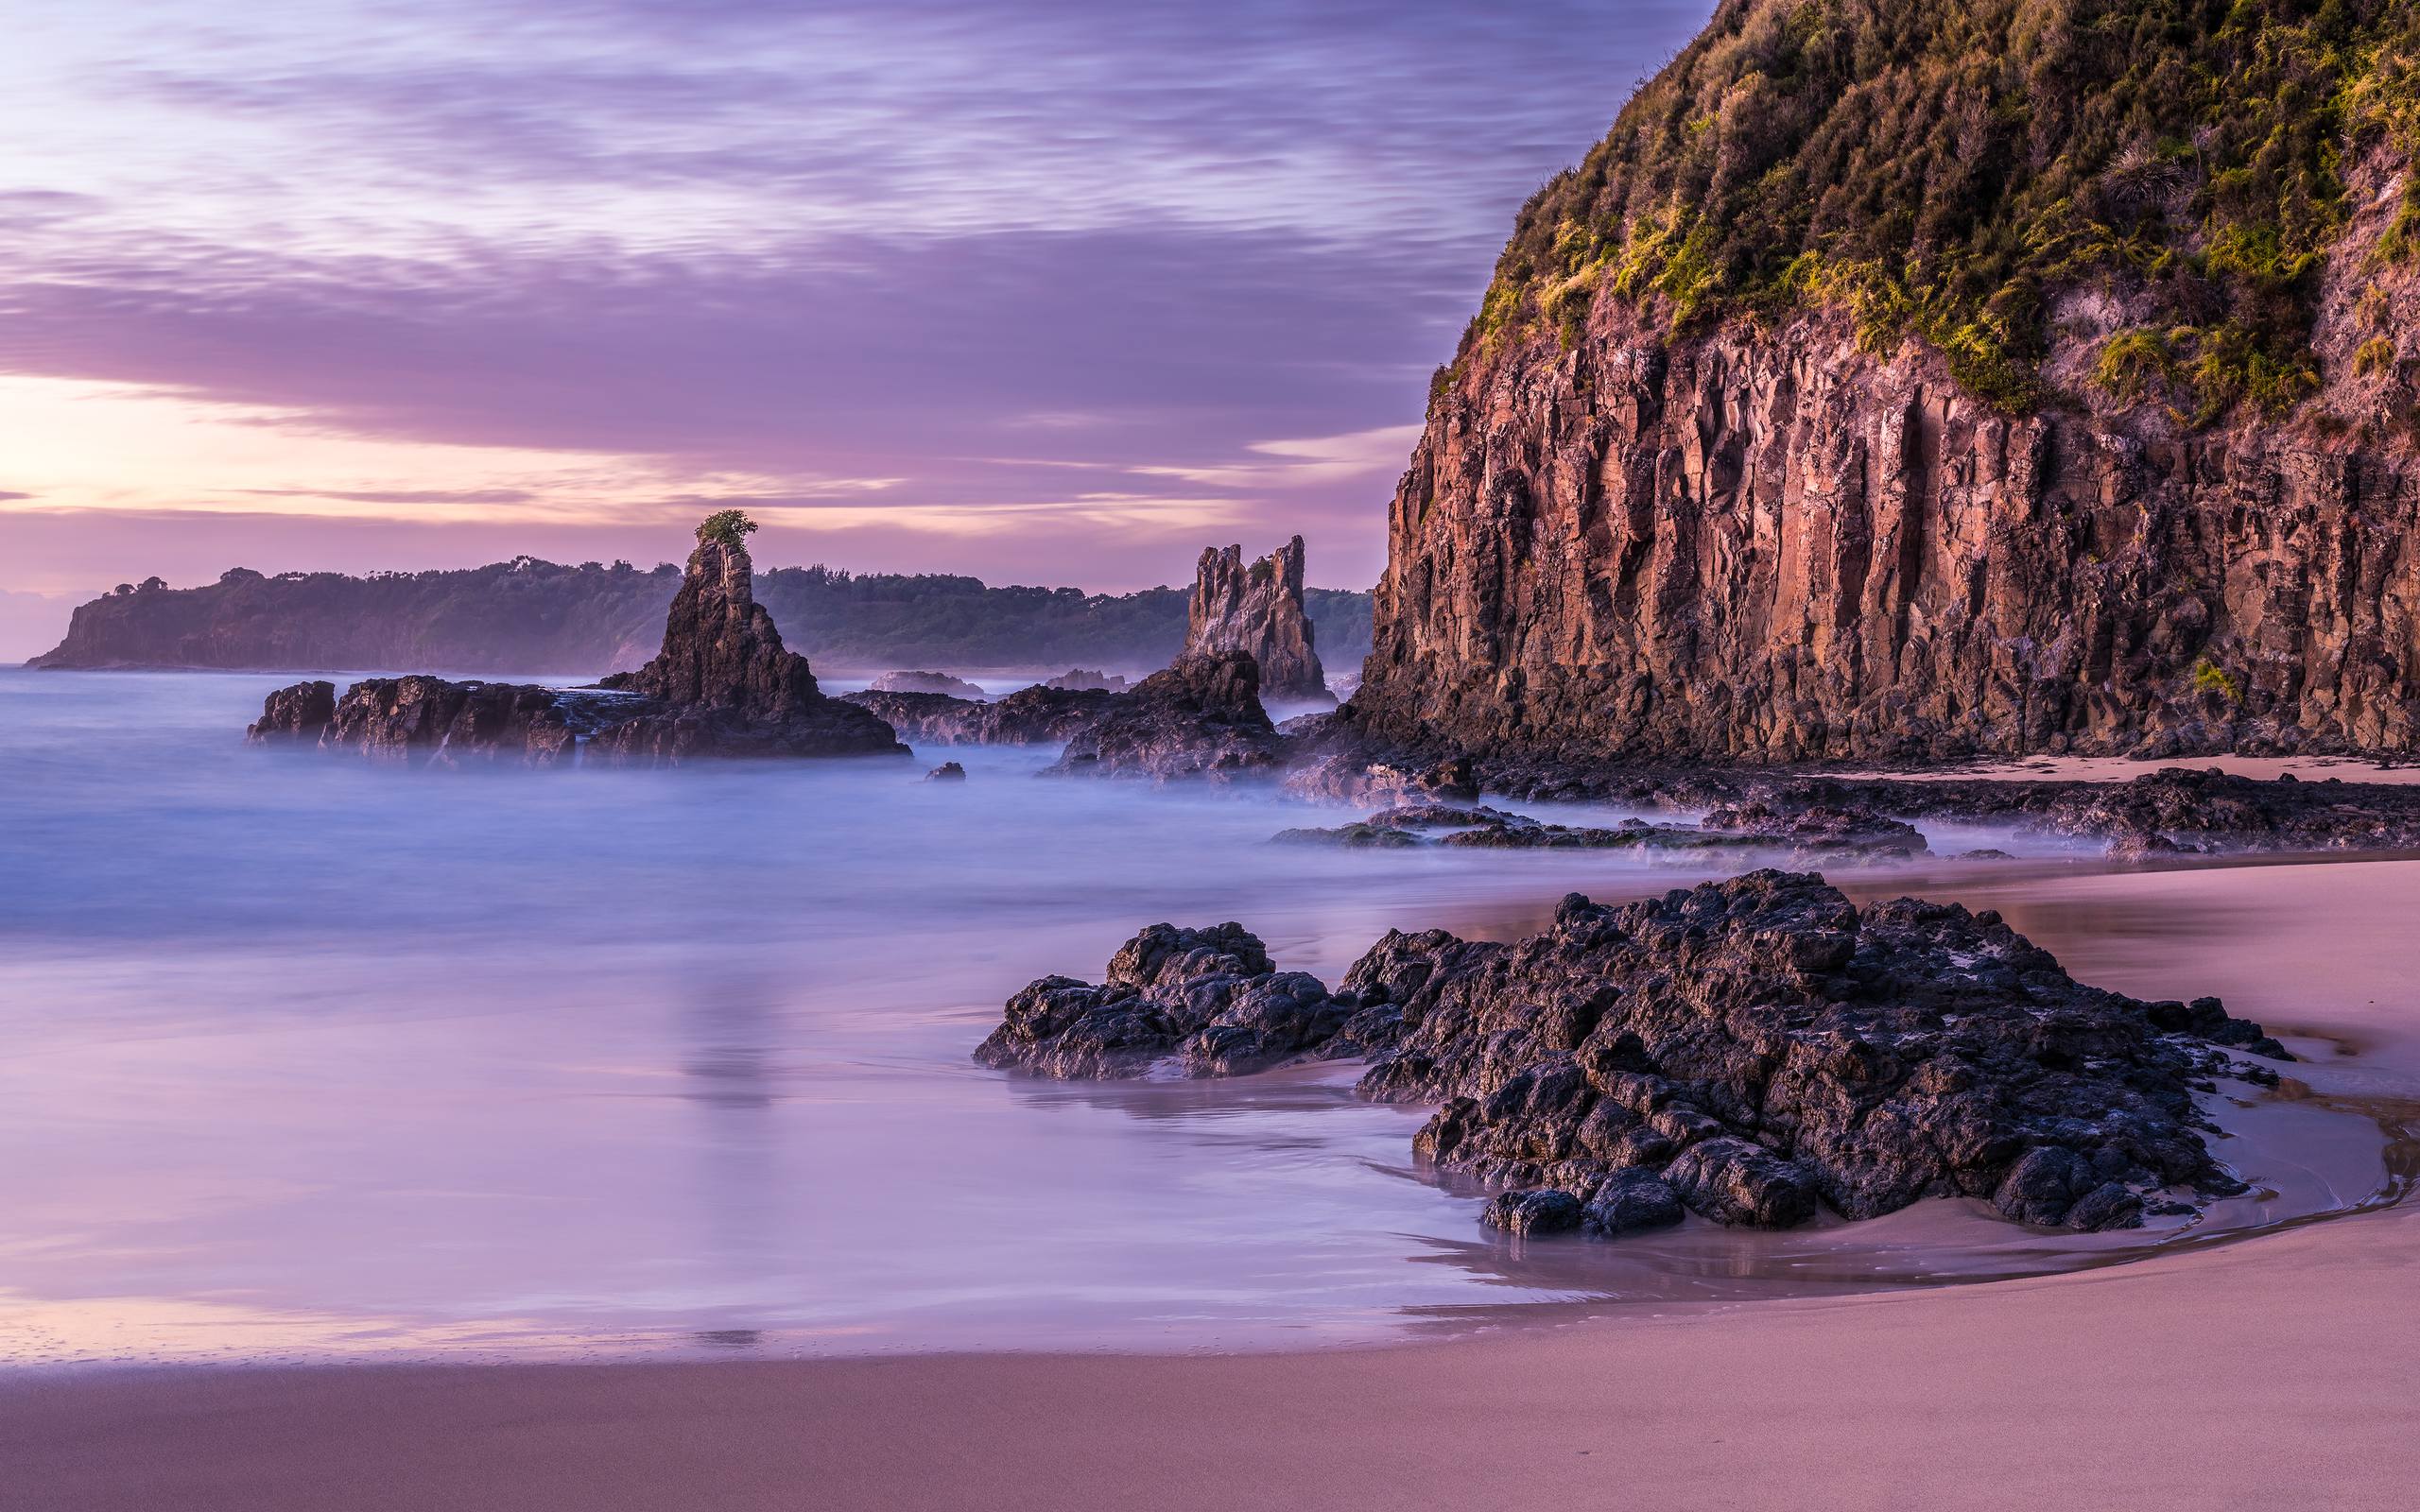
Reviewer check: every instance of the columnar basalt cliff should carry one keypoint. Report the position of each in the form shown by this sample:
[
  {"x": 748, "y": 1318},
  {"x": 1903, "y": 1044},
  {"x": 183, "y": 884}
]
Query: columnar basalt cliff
[
  {"x": 1882, "y": 388},
  {"x": 1259, "y": 610}
]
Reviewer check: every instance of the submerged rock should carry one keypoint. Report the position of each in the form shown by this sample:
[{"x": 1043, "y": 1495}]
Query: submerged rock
[
  {"x": 1201, "y": 717},
  {"x": 1820, "y": 839},
  {"x": 1257, "y": 609},
  {"x": 946, "y": 772},
  {"x": 1750, "y": 1050}
]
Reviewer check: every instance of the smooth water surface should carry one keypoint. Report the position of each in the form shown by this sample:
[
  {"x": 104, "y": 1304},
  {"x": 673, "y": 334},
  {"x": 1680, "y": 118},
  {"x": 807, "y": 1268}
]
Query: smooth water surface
[{"x": 302, "y": 1056}]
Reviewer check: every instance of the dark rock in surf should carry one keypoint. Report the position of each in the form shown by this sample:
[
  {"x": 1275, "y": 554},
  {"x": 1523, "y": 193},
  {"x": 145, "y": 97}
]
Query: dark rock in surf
[
  {"x": 1200, "y": 717},
  {"x": 297, "y": 715},
  {"x": 1756, "y": 1049},
  {"x": 941, "y": 682},
  {"x": 946, "y": 772},
  {"x": 1038, "y": 716}
]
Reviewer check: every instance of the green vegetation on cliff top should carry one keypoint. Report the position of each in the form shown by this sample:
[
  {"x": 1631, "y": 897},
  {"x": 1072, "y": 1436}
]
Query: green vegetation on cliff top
[{"x": 1942, "y": 168}]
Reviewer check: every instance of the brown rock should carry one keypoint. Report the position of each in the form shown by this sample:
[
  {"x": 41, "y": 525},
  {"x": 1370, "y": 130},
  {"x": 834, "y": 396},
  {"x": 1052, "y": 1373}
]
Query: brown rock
[{"x": 1258, "y": 609}]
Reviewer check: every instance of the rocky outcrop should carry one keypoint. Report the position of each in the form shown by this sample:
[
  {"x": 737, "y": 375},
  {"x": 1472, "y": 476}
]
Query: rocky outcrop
[
  {"x": 1258, "y": 609},
  {"x": 946, "y": 772},
  {"x": 1817, "y": 836},
  {"x": 297, "y": 716},
  {"x": 1084, "y": 680},
  {"x": 1200, "y": 717},
  {"x": 1038, "y": 716},
  {"x": 926, "y": 682},
  {"x": 722, "y": 686},
  {"x": 1754, "y": 1051}
]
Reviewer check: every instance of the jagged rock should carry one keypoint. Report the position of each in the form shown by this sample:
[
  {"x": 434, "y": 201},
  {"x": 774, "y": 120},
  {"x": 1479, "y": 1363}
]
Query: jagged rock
[
  {"x": 1038, "y": 716},
  {"x": 1538, "y": 1211},
  {"x": 425, "y": 720},
  {"x": 926, "y": 682},
  {"x": 1819, "y": 829},
  {"x": 297, "y": 715},
  {"x": 1348, "y": 776},
  {"x": 724, "y": 684},
  {"x": 1257, "y": 609},
  {"x": 1752, "y": 1049},
  {"x": 1202, "y": 716},
  {"x": 1078, "y": 679},
  {"x": 946, "y": 772}
]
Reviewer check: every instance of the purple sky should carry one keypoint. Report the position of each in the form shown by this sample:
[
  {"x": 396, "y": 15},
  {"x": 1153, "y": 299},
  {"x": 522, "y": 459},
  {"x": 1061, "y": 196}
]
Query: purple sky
[{"x": 1048, "y": 292}]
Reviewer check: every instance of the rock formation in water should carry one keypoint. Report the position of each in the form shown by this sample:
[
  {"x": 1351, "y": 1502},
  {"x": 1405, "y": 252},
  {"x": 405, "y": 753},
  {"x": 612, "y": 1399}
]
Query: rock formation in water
[
  {"x": 299, "y": 715},
  {"x": 1083, "y": 680},
  {"x": 1918, "y": 380},
  {"x": 1752, "y": 1050},
  {"x": 722, "y": 686},
  {"x": 1038, "y": 716},
  {"x": 1825, "y": 834},
  {"x": 1199, "y": 717},
  {"x": 1257, "y": 609},
  {"x": 941, "y": 682}
]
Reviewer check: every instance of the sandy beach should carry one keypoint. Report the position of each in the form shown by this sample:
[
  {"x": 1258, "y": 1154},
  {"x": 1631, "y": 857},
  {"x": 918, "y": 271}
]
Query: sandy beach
[{"x": 2272, "y": 1370}]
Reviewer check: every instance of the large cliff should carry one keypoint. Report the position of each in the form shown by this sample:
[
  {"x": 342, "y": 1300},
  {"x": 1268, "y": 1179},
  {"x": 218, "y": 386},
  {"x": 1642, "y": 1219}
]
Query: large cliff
[{"x": 1902, "y": 381}]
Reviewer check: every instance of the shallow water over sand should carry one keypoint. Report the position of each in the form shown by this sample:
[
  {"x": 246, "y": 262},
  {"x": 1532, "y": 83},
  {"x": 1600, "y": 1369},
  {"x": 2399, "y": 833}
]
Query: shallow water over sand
[{"x": 302, "y": 1059}]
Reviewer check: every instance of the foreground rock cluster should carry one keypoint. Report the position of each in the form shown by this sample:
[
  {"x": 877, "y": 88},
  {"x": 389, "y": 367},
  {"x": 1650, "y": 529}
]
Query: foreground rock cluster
[
  {"x": 1754, "y": 1051},
  {"x": 722, "y": 685}
]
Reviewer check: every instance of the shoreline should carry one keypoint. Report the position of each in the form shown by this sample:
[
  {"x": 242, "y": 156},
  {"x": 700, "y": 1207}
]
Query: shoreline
[{"x": 2176, "y": 1381}]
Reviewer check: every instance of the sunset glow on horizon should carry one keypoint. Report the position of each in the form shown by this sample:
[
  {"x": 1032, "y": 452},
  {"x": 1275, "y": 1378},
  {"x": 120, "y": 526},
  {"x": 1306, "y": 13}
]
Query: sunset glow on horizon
[{"x": 1054, "y": 297}]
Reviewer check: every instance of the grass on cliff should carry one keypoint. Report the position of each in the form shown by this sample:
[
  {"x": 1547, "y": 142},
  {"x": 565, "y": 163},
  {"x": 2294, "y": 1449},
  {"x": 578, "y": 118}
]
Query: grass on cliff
[{"x": 1942, "y": 168}]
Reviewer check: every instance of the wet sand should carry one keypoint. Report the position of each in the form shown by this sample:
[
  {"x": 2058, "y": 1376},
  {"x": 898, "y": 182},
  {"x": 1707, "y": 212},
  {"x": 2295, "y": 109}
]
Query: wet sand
[{"x": 2282, "y": 1369}]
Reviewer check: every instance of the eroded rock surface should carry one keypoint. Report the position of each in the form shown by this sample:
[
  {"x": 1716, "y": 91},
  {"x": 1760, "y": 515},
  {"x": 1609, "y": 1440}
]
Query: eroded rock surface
[
  {"x": 431, "y": 721},
  {"x": 1257, "y": 609},
  {"x": 1038, "y": 716},
  {"x": 1750, "y": 1050},
  {"x": 299, "y": 715},
  {"x": 1200, "y": 717}
]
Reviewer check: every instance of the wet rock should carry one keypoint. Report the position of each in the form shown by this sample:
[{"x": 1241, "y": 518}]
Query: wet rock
[
  {"x": 1350, "y": 836},
  {"x": 1631, "y": 1201},
  {"x": 431, "y": 721},
  {"x": 1822, "y": 836},
  {"x": 1350, "y": 776},
  {"x": 1537, "y": 1211},
  {"x": 1753, "y": 1050},
  {"x": 941, "y": 682},
  {"x": 296, "y": 715},
  {"x": 1200, "y": 717},
  {"x": 946, "y": 772},
  {"x": 1257, "y": 609},
  {"x": 1038, "y": 716},
  {"x": 1176, "y": 1002},
  {"x": 1819, "y": 829}
]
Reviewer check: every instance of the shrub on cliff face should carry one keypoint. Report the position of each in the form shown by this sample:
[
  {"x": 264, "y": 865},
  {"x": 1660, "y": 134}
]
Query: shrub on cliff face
[
  {"x": 1942, "y": 167},
  {"x": 732, "y": 528}
]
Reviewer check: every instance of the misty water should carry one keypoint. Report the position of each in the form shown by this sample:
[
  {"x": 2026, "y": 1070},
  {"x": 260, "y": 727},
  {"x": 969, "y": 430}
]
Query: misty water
[{"x": 306, "y": 1057}]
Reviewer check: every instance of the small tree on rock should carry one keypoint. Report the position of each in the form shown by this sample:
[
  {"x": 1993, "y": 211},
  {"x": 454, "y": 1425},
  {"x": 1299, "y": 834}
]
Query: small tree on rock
[{"x": 730, "y": 526}]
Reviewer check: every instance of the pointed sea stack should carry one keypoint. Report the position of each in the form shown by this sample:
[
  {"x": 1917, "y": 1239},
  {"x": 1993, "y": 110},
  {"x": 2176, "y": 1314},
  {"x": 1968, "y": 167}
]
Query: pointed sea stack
[
  {"x": 729, "y": 686},
  {"x": 1259, "y": 610}
]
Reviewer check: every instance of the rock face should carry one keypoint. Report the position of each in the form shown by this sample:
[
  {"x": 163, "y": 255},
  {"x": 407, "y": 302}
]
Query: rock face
[
  {"x": 1259, "y": 610},
  {"x": 1753, "y": 1050},
  {"x": 299, "y": 715},
  {"x": 725, "y": 685},
  {"x": 1038, "y": 716},
  {"x": 1084, "y": 680},
  {"x": 926, "y": 682},
  {"x": 1199, "y": 717},
  {"x": 1776, "y": 547},
  {"x": 429, "y": 721}
]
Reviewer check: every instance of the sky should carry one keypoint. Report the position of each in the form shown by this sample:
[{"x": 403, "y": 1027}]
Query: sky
[{"x": 1049, "y": 292}]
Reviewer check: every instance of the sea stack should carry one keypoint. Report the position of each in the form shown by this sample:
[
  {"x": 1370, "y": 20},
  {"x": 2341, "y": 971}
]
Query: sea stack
[
  {"x": 1259, "y": 610},
  {"x": 728, "y": 685}
]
